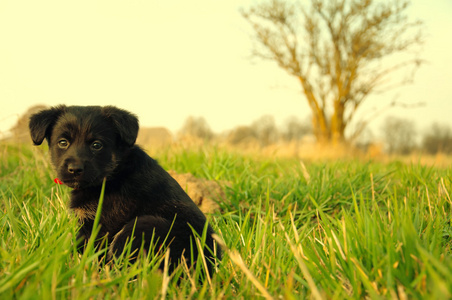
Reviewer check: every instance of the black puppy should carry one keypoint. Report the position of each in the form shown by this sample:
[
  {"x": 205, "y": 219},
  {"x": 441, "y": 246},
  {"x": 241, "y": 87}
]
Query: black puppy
[{"x": 142, "y": 201}]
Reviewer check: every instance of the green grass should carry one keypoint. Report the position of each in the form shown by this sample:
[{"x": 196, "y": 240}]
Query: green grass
[{"x": 343, "y": 229}]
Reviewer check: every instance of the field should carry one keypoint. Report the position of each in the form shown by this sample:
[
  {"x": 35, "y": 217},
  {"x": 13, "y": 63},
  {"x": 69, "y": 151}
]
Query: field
[{"x": 292, "y": 230}]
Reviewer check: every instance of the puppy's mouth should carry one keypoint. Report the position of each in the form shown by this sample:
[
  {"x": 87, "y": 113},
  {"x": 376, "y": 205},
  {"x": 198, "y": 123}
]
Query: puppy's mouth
[
  {"x": 77, "y": 183},
  {"x": 71, "y": 183},
  {"x": 74, "y": 184}
]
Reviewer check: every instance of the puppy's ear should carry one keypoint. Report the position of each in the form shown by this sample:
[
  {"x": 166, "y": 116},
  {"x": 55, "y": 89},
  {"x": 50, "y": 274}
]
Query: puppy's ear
[
  {"x": 126, "y": 123},
  {"x": 41, "y": 123}
]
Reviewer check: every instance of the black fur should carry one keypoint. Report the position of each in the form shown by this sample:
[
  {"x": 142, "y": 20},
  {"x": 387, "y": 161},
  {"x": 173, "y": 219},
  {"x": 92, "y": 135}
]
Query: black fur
[{"x": 88, "y": 144}]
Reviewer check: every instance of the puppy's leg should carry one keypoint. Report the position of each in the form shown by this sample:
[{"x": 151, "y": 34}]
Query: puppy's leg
[
  {"x": 153, "y": 232},
  {"x": 156, "y": 234}
]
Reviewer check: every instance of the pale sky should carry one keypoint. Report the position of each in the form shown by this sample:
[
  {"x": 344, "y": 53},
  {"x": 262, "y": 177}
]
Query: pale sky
[{"x": 167, "y": 60}]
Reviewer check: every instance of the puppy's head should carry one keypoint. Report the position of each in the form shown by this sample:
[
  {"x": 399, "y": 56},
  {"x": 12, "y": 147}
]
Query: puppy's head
[{"x": 86, "y": 142}]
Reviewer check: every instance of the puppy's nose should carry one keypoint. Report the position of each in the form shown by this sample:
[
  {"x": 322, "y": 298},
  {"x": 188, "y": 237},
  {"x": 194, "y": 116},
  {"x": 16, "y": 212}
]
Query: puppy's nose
[{"x": 75, "y": 168}]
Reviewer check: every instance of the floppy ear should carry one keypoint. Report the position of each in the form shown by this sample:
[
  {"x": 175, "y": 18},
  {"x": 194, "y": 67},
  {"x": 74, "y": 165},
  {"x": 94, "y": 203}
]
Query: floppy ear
[
  {"x": 125, "y": 122},
  {"x": 41, "y": 123}
]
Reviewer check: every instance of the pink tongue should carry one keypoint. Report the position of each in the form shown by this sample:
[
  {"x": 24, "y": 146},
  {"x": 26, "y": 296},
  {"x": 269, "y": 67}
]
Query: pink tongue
[{"x": 56, "y": 180}]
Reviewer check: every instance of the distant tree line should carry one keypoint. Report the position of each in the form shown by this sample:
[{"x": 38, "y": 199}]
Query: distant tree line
[
  {"x": 400, "y": 136},
  {"x": 263, "y": 131}
]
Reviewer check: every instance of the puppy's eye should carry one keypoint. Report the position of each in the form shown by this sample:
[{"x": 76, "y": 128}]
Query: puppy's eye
[
  {"x": 63, "y": 144},
  {"x": 96, "y": 146}
]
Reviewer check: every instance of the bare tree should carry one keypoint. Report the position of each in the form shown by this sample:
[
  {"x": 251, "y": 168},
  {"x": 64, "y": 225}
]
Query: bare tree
[
  {"x": 295, "y": 129},
  {"x": 196, "y": 127},
  {"x": 399, "y": 135},
  {"x": 242, "y": 135},
  {"x": 265, "y": 130},
  {"x": 438, "y": 139},
  {"x": 338, "y": 51}
]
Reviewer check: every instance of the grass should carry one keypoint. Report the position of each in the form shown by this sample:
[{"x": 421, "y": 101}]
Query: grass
[{"x": 337, "y": 229}]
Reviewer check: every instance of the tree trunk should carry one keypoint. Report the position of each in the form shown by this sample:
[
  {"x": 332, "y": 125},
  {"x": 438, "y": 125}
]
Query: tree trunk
[
  {"x": 319, "y": 120},
  {"x": 338, "y": 124},
  {"x": 320, "y": 128}
]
